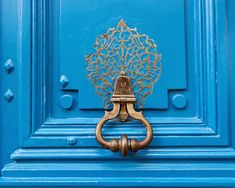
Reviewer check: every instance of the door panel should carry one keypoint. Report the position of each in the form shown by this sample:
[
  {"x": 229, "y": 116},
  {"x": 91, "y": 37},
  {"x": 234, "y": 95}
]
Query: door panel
[
  {"x": 83, "y": 29},
  {"x": 54, "y": 109},
  {"x": 71, "y": 34}
]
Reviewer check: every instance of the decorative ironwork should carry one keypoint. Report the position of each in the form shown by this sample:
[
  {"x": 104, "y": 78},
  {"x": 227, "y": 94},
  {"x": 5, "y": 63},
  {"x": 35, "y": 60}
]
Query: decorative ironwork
[{"x": 124, "y": 49}]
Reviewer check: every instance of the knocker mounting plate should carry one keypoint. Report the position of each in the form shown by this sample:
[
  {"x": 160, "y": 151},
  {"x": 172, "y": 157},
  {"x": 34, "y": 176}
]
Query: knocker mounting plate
[{"x": 123, "y": 69}]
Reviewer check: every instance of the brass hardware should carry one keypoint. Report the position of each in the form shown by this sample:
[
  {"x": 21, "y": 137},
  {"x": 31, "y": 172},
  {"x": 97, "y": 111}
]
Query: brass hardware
[
  {"x": 134, "y": 55},
  {"x": 123, "y": 48},
  {"x": 123, "y": 101}
]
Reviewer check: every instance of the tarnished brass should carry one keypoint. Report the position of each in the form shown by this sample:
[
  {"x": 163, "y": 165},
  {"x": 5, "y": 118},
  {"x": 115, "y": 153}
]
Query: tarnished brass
[
  {"x": 123, "y": 101},
  {"x": 124, "y": 68}
]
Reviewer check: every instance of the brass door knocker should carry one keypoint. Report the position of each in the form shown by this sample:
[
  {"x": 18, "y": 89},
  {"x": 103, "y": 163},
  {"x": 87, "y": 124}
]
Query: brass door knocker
[
  {"x": 123, "y": 101},
  {"x": 123, "y": 69}
]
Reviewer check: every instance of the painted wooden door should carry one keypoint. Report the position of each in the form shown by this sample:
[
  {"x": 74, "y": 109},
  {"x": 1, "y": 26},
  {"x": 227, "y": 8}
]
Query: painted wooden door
[{"x": 49, "y": 108}]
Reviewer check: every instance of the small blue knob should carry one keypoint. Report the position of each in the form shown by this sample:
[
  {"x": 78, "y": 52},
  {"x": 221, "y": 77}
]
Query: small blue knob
[
  {"x": 63, "y": 81},
  {"x": 9, "y": 66},
  {"x": 179, "y": 101},
  {"x": 9, "y": 95},
  {"x": 66, "y": 101}
]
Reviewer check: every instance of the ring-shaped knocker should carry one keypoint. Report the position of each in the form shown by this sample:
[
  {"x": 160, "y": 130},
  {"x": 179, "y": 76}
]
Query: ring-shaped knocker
[{"x": 123, "y": 107}]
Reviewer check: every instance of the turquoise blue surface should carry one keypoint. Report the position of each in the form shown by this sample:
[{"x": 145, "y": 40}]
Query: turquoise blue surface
[{"x": 49, "y": 110}]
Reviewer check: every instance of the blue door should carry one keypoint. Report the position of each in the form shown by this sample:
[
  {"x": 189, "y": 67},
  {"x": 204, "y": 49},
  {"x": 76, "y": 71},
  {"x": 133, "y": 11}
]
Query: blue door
[{"x": 61, "y": 61}]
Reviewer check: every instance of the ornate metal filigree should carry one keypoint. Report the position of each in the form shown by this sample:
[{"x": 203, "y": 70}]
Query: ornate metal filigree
[{"x": 123, "y": 48}]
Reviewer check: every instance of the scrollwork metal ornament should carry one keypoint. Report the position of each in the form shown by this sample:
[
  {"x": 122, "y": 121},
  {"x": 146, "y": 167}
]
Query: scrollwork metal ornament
[
  {"x": 123, "y": 48},
  {"x": 123, "y": 69}
]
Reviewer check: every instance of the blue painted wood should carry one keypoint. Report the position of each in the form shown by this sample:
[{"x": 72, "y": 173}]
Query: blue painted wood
[
  {"x": 43, "y": 142},
  {"x": 15, "y": 45},
  {"x": 108, "y": 14},
  {"x": 199, "y": 110}
]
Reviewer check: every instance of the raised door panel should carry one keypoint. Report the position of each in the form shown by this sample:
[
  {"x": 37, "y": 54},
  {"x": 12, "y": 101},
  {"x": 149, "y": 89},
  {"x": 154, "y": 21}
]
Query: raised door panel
[{"x": 185, "y": 102}]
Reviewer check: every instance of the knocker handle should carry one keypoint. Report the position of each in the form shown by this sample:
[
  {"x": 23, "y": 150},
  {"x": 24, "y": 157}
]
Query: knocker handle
[{"x": 124, "y": 144}]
